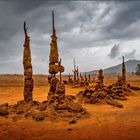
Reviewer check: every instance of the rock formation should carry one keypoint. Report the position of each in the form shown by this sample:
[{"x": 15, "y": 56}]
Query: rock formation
[
  {"x": 100, "y": 79},
  {"x": 28, "y": 80},
  {"x": 123, "y": 81},
  {"x": 58, "y": 105},
  {"x": 77, "y": 74},
  {"x": 78, "y": 80},
  {"x": 70, "y": 81},
  {"x": 123, "y": 72},
  {"x": 81, "y": 77},
  {"x": 98, "y": 94},
  {"x": 57, "y": 100},
  {"x": 101, "y": 93},
  {"x": 74, "y": 72},
  {"x": 54, "y": 64}
]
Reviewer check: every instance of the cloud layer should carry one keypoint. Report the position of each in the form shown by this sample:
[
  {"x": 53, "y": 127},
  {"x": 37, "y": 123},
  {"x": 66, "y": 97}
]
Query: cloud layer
[{"x": 86, "y": 30}]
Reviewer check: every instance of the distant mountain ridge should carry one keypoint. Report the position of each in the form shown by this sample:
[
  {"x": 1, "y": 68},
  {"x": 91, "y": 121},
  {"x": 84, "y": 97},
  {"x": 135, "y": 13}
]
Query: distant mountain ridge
[{"x": 130, "y": 67}]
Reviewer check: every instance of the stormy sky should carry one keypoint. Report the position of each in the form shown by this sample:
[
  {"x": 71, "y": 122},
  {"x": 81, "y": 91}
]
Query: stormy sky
[{"x": 95, "y": 33}]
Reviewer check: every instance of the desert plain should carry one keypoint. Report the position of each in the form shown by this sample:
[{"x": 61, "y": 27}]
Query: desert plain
[{"x": 105, "y": 122}]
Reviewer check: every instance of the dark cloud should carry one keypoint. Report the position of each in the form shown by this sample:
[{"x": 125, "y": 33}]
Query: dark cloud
[
  {"x": 21, "y": 7},
  {"x": 115, "y": 51},
  {"x": 12, "y": 14},
  {"x": 125, "y": 21},
  {"x": 80, "y": 25}
]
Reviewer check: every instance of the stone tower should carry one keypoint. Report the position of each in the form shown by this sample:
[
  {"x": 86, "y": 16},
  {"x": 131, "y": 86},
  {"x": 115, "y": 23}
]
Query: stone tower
[
  {"x": 28, "y": 80},
  {"x": 54, "y": 63},
  {"x": 77, "y": 74},
  {"x": 74, "y": 71},
  {"x": 53, "y": 45},
  {"x": 123, "y": 71},
  {"x": 100, "y": 79}
]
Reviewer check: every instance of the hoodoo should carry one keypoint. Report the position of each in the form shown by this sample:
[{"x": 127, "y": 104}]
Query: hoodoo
[
  {"x": 54, "y": 62},
  {"x": 57, "y": 99},
  {"x": 28, "y": 80},
  {"x": 123, "y": 72}
]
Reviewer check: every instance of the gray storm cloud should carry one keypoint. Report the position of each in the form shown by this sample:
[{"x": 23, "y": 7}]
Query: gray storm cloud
[
  {"x": 115, "y": 51},
  {"x": 130, "y": 54},
  {"x": 80, "y": 25}
]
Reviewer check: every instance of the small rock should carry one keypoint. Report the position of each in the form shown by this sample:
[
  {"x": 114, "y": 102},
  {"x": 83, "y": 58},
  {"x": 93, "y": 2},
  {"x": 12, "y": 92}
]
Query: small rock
[
  {"x": 70, "y": 97},
  {"x": 78, "y": 116},
  {"x": 27, "y": 114},
  {"x": 4, "y": 111},
  {"x": 42, "y": 107},
  {"x": 14, "y": 118},
  {"x": 69, "y": 129},
  {"x": 38, "y": 116},
  {"x": 93, "y": 99},
  {"x": 20, "y": 102},
  {"x": 114, "y": 103},
  {"x": 72, "y": 121},
  {"x": 19, "y": 112},
  {"x": 75, "y": 107}
]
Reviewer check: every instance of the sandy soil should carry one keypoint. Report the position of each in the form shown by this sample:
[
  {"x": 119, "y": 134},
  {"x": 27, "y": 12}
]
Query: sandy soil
[{"x": 105, "y": 122}]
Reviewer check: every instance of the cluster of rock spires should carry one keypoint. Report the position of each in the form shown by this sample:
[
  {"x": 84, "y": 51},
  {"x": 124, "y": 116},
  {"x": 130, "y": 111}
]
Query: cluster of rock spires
[
  {"x": 57, "y": 105},
  {"x": 78, "y": 79},
  {"x": 107, "y": 94}
]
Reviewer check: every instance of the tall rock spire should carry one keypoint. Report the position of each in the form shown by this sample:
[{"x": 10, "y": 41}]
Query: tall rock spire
[
  {"x": 53, "y": 50},
  {"x": 28, "y": 80},
  {"x": 123, "y": 71},
  {"x": 74, "y": 70},
  {"x": 54, "y": 64}
]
